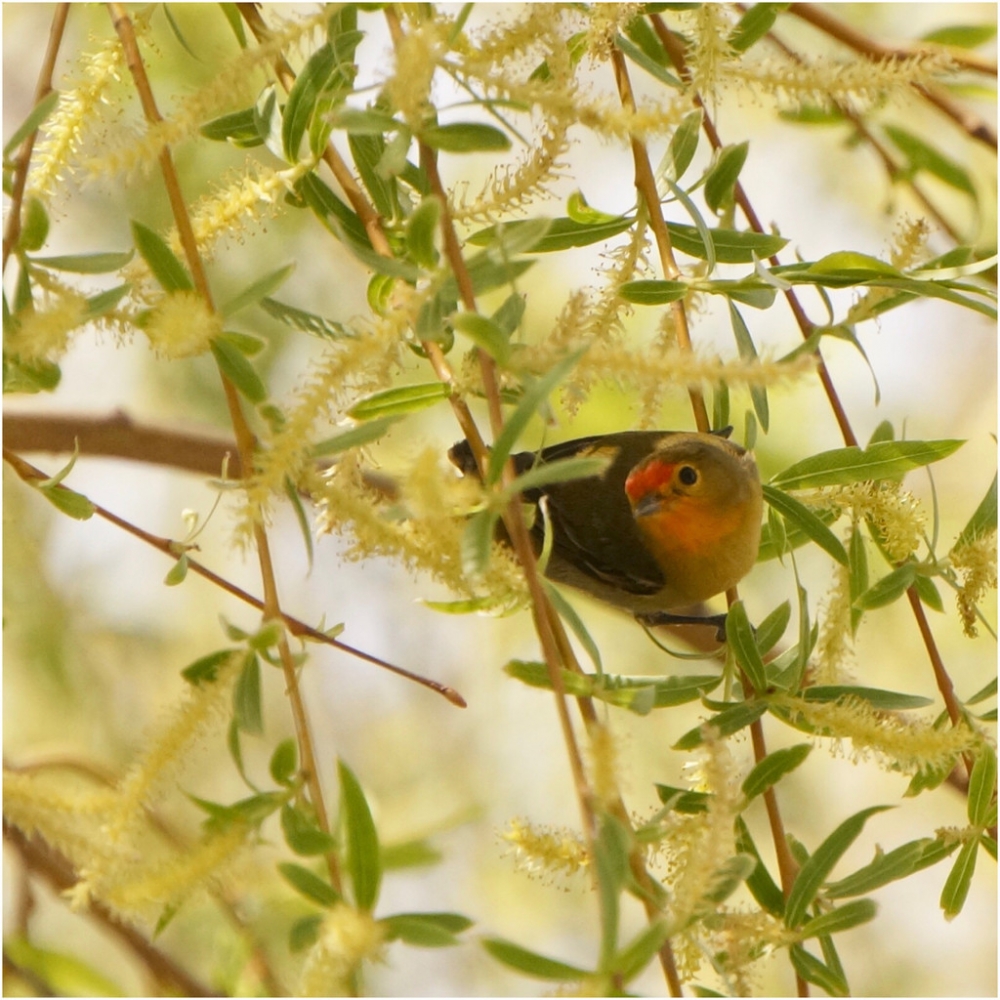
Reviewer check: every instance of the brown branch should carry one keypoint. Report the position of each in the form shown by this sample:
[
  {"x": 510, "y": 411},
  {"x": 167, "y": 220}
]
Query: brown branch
[
  {"x": 645, "y": 182},
  {"x": 245, "y": 441},
  {"x": 891, "y": 167},
  {"x": 12, "y": 231},
  {"x": 44, "y": 861},
  {"x": 119, "y": 436},
  {"x": 224, "y": 897},
  {"x": 816, "y": 15},
  {"x": 32, "y": 475}
]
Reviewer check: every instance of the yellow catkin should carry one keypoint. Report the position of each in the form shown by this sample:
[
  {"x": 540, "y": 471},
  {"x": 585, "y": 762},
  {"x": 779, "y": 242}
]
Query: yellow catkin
[
  {"x": 976, "y": 563},
  {"x": 546, "y": 849},
  {"x": 897, "y": 741},
  {"x": 347, "y": 938}
]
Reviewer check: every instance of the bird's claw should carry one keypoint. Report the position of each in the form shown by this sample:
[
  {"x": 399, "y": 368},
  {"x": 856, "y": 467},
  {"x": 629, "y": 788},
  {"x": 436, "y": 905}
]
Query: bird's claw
[{"x": 653, "y": 618}]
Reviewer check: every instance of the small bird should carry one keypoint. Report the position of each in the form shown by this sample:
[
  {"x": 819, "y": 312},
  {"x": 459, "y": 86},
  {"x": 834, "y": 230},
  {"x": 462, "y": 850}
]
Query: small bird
[{"x": 673, "y": 520}]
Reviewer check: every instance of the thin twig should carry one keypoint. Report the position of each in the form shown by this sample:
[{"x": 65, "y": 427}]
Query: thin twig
[
  {"x": 245, "y": 440},
  {"x": 30, "y": 474},
  {"x": 819, "y": 17},
  {"x": 12, "y": 231},
  {"x": 47, "y": 863}
]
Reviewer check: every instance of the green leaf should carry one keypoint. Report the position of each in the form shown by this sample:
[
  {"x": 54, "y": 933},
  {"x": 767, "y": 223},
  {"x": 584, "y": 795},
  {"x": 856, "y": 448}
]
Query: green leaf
[
  {"x": 772, "y": 628},
  {"x": 477, "y": 542},
  {"x": 325, "y": 75},
  {"x": 890, "y": 588},
  {"x": 363, "y": 861},
  {"x": 820, "y": 863},
  {"x": 35, "y": 118},
  {"x": 563, "y": 470},
  {"x": 653, "y": 292},
  {"x": 651, "y": 66},
  {"x": 535, "y": 394},
  {"x": 740, "y": 637},
  {"x": 727, "y": 722},
  {"x": 425, "y": 930},
  {"x": 956, "y": 886},
  {"x": 87, "y": 263},
  {"x": 755, "y": 24},
  {"x": 928, "y": 592},
  {"x": 722, "y": 177},
  {"x": 399, "y": 401},
  {"x": 732, "y": 246},
  {"x": 368, "y": 151},
  {"x": 239, "y": 128},
  {"x": 56, "y": 973},
  {"x": 331, "y": 211},
  {"x": 465, "y": 137},
  {"x": 178, "y": 572},
  {"x": 304, "y": 933},
  {"x": 611, "y": 865},
  {"x": 485, "y": 334},
  {"x": 246, "y": 697},
  {"x": 636, "y": 955},
  {"x": 812, "y": 970},
  {"x": 843, "y": 466},
  {"x": 982, "y": 786},
  {"x": 684, "y": 144},
  {"x": 370, "y": 121},
  {"x": 886, "y": 868},
  {"x": 29, "y": 376},
  {"x": 683, "y": 800},
  {"x": 71, "y": 503},
  {"x": 983, "y": 520},
  {"x": 235, "y": 366},
  {"x": 363, "y": 434},
  {"x": 922, "y": 156},
  {"x": 962, "y": 36},
  {"x": 857, "y": 571},
  {"x": 421, "y": 229},
  {"x": 580, "y": 211},
  {"x": 773, "y": 768},
  {"x": 560, "y": 234},
  {"x": 307, "y": 322},
  {"x": 841, "y": 919},
  {"x": 171, "y": 274},
  {"x": 302, "y": 835},
  {"x": 486, "y": 274},
  {"x": 205, "y": 669},
  {"x": 883, "y": 701},
  {"x": 799, "y": 515},
  {"x": 762, "y": 887},
  {"x": 309, "y": 884},
  {"x": 409, "y": 854},
  {"x": 529, "y": 962},
  {"x": 748, "y": 352},
  {"x": 284, "y": 762},
  {"x": 701, "y": 226},
  {"x": 727, "y": 877},
  {"x": 257, "y": 290}
]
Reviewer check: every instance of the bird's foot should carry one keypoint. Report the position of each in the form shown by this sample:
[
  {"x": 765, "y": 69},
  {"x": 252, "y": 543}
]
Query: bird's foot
[{"x": 654, "y": 618}]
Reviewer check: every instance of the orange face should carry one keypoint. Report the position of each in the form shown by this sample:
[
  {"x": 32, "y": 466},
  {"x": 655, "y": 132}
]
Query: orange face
[{"x": 678, "y": 509}]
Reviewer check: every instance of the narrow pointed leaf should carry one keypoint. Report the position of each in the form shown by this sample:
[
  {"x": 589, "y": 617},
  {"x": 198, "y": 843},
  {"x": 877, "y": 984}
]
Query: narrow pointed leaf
[
  {"x": 982, "y": 786},
  {"x": 741, "y": 638},
  {"x": 529, "y": 962},
  {"x": 167, "y": 269},
  {"x": 956, "y": 886},
  {"x": 727, "y": 722},
  {"x": 799, "y": 515},
  {"x": 843, "y": 466},
  {"x": 308, "y": 884},
  {"x": 773, "y": 768},
  {"x": 814, "y": 872},
  {"x": 363, "y": 860}
]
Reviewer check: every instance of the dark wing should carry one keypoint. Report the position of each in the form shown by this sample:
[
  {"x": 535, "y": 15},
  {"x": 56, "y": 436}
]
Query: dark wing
[{"x": 591, "y": 521}]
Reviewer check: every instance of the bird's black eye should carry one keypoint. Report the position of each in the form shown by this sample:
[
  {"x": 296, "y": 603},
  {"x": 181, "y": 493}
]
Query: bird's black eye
[{"x": 687, "y": 475}]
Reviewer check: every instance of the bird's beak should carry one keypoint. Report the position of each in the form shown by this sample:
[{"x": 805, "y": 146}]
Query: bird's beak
[{"x": 649, "y": 504}]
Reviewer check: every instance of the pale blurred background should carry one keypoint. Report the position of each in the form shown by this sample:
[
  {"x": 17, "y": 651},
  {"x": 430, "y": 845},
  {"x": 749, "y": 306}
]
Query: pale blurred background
[{"x": 94, "y": 643}]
